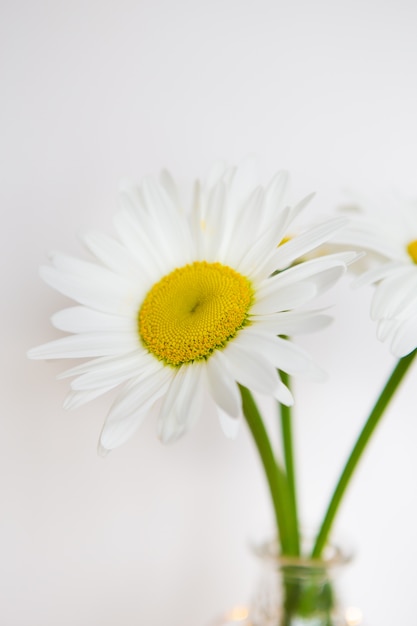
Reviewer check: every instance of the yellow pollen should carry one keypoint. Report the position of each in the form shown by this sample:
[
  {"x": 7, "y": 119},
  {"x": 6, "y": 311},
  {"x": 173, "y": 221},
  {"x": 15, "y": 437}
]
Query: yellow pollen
[
  {"x": 412, "y": 250},
  {"x": 193, "y": 311}
]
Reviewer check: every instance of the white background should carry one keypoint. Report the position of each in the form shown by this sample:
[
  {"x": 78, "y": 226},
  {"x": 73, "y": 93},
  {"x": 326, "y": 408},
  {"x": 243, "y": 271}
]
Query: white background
[{"x": 97, "y": 90}]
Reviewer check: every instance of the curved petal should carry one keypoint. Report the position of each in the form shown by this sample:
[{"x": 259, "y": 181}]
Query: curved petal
[
  {"x": 142, "y": 391},
  {"x": 113, "y": 371},
  {"x": 305, "y": 242},
  {"x": 127, "y": 413},
  {"x": 251, "y": 370},
  {"x": 86, "y": 345},
  {"x": 101, "y": 290},
  {"x": 293, "y": 323},
  {"x": 405, "y": 338},
  {"x": 76, "y": 399},
  {"x": 258, "y": 256},
  {"x": 283, "y": 298},
  {"x": 230, "y": 425},
  {"x": 222, "y": 385},
  {"x": 394, "y": 294},
  {"x": 377, "y": 273},
  {"x": 183, "y": 401},
  {"x": 109, "y": 252},
  {"x": 245, "y": 229},
  {"x": 281, "y": 353},
  {"x": 81, "y": 319}
]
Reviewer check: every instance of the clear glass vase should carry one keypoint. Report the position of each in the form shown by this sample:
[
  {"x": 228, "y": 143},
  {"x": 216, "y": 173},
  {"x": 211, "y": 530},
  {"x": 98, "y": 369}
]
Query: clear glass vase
[{"x": 298, "y": 591}]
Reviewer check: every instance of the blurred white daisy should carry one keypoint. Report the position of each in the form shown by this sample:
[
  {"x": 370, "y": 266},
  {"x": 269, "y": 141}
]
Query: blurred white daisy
[
  {"x": 388, "y": 231},
  {"x": 182, "y": 307}
]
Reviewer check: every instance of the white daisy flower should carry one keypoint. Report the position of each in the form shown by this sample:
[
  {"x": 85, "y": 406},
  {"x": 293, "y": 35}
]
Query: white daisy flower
[
  {"x": 182, "y": 307},
  {"x": 388, "y": 231}
]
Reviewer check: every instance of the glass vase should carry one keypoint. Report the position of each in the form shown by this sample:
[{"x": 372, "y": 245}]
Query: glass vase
[
  {"x": 299, "y": 591},
  {"x": 296, "y": 591}
]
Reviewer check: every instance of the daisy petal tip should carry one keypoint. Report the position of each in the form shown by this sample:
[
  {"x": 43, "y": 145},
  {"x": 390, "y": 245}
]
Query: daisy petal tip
[
  {"x": 69, "y": 402},
  {"x": 352, "y": 258},
  {"x": 319, "y": 375},
  {"x": 38, "y": 353},
  {"x": 229, "y": 425},
  {"x": 284, "y": 395},
  {"x": 169, "y": 433},
  {"x": 31, "y": 354},
  {"x": 310, "y": 197},
  {"x": 102, "y": 452}
]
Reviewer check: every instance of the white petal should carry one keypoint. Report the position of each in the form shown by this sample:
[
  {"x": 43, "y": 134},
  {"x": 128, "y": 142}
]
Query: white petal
[
  {"x": 283, "y": 394},
  {"x": 292, "y": 323},
  {"x": 116, "y": 432},
  {"x": 251, "y": 370},
  {"x": 99, "y": 364},
  {"x": 385, "y": 329},
  {"x": 142, "y": 391},
  {"x": 405, "y": 339},
  {"x": 377, "y": 273},
  {"x": 373, "y": 240},
  {"x": 104, "y": 291},
  {"x": 325, "y": 279},
  {"x": 276, "y": 194},
  {"x": 215, "y": 173},
  {"x": 75, "y": 399},
  {"x": 112, "y": 371},
  {"x": 86, "y": 345},
  {"x": 259, "y": 254},
  {"x": 314, "y": 271},
  {"x": 256, "y": 373},
  {"x": 300, "y": 206},
  {"x": 196, "y": 220},
  {"x": 170, "y": 187},
  {"x": 245, "y": 228},
  {"x": 394, "y": 294},
  {"x": 109, "y": 251},
  {"x": 283, "y": 299},
  {"x": 182, "y": 403},
  {"x": 196, "y": 387},
  {"x": 230, "y": 425},
  {"x": 288, "y": 252},
  {"x": 79, "y": 319},
  {"x": 127, "y": 413},
  {"x": 172, "y": 230},
  {"x": 142, "y": 244},
  {"x": 132, "y": 199},
  {"x": 169, "y": 429},
  {"x": 243, "y": 181},
  {"x": 281, "y": 353},
  {"x": 214, "y": 217},
  {"x": 88, "y": 270},
  {"x": 157, "y": 200},
  {"x": 222, "y": 385}
]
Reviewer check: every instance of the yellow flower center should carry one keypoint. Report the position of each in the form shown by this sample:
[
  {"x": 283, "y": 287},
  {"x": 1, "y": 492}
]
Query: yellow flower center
[
  {"x": 193, "y": 311},
  {"x": 412, "y": 250}
]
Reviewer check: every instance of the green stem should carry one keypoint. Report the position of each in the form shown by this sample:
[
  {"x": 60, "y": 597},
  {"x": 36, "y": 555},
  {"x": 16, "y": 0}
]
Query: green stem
[
  {"x": 288, "y": 447},
  {"x": 358, "y": 449},
  {"x": 275, "y": 475}
]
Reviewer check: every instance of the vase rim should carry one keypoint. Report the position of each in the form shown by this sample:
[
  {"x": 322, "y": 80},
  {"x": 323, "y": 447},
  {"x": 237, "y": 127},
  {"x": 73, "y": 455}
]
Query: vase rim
[{"x": 334, "y": 555}]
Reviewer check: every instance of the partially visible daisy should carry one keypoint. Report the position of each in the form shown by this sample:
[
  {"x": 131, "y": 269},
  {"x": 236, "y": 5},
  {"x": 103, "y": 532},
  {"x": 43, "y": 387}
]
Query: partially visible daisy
[
  {"x": 388, "y": 231},
  {"x": 184, "y": 306}
]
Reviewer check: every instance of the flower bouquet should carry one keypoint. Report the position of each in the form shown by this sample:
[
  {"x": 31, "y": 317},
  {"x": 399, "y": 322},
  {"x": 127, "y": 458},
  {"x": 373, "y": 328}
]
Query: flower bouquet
[{"x": 198, "y": 306}]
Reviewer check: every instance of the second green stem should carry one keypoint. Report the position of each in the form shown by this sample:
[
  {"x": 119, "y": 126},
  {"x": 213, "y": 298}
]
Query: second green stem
[
  {"x": 358, "y": 449},
  {"x": 288, "y": 448}
]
